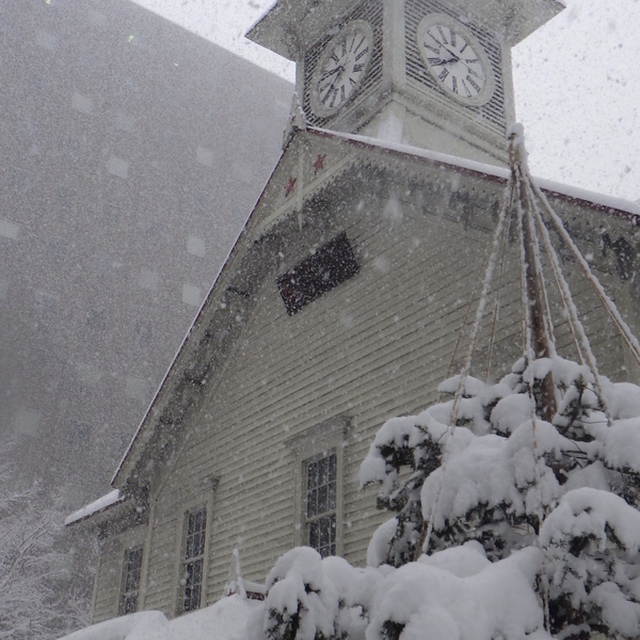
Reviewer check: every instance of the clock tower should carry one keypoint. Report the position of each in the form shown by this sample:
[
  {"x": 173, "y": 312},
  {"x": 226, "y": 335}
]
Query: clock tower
[{"x": 428, "y": 73}]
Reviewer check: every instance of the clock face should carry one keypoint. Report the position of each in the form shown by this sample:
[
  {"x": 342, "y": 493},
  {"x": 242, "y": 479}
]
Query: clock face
[
  {"x": 455, "y": 59},
  {"x": 341, "y": 68}
]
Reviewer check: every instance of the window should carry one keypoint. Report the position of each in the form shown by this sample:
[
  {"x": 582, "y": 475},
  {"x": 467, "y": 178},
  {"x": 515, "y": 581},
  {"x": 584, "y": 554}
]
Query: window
[
  {"x": 130, "y": 581},
  {"x": 192, "y": 566},
  {"x": 318, "y": 484},
  {"x": 320, "y": 504},
  {"x": 330, "y": 265}
]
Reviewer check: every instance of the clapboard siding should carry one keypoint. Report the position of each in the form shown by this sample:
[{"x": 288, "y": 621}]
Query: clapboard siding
[
  {"x": 376, "y": 346},
  {"x": 361, "y": 335},
  {"x": 169, "y": 514},
  {"x": 162, "y": 571},
  {"x": 289, "y": 373},
  {"x": 313, "y": 366},
  {"x": 108, "y": 580},
  {"x": 247, "y": 420}
]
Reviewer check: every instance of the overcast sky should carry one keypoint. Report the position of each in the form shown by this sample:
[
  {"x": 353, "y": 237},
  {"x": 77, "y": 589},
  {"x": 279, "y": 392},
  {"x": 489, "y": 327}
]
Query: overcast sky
[{"x": 577, "y": 84}]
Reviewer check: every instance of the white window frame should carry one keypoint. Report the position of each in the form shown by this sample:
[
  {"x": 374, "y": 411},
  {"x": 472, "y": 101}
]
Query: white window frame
[
  {"x": 112, "y": 559},
  {"x": 126, "y": 590},
  {"x": 207, "y": 505},
  {"x": 309, "y": 446},
  {"x": 316, "y": 515}
]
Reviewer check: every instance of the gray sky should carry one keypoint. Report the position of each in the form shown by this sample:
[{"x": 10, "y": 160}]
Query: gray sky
[{"x": 577, "y": 84}]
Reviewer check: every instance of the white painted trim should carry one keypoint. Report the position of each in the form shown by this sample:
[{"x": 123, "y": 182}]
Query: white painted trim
[
  {"x": 393, "y": 45},
  {"x": 326, "y": 437},
  {"x": 146, "y": 552},
  {"x": 96, "y": 579},
  {"x": 206, "y": 501},
  {"x": 125, "y": 540}
]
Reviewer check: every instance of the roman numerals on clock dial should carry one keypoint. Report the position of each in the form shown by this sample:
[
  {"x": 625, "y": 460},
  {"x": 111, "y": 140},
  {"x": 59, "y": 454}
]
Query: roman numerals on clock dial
[
  {"x": 455, "y": 60},
  {"x": 342, "y": 67}
]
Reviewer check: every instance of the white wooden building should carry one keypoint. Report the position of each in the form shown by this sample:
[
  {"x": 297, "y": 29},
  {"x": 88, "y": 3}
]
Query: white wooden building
[{"x": 342, "y": 301}]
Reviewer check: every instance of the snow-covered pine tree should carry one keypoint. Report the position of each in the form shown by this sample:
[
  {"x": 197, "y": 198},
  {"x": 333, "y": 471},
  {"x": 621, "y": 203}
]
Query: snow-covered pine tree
[
  {"x": 315, "y": 598},
  {"x": 504, "y": 526},
  {"x": 507, "y": 480}
]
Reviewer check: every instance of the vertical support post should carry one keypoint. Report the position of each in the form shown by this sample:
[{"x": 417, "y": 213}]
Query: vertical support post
[{"x": 539, "y": 335}]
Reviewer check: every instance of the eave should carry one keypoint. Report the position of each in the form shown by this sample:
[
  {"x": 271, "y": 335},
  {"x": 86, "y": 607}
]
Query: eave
[
  {"x": 290, "y": 26},
  {"x": 97, "y": 511}
]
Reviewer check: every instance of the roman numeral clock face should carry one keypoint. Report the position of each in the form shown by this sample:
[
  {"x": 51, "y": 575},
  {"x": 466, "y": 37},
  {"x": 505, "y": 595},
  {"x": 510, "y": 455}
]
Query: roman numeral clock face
[
  {"x": 341, "y": 68},
  {"x": 455, "y": 59}
]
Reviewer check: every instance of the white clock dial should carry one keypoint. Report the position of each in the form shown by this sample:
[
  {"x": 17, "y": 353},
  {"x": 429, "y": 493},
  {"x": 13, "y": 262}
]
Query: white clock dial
[
  {"x": 455, "y": 59},
  {"x": 341, "y": 68}
]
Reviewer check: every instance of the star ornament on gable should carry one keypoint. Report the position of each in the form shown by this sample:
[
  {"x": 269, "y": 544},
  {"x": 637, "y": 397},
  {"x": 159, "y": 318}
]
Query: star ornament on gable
[
  {"x": 318, "y": 165},
  {"x": 290, "y": 187}
]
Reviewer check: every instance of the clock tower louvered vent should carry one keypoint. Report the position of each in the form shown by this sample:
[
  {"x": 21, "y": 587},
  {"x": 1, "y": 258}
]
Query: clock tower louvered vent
[
  {"x": 372, "y": 12},
  {"x": 492, "y": 113}
]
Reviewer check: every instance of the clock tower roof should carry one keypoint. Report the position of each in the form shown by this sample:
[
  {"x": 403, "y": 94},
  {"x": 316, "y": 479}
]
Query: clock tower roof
[{"x": 290, "y": 25}]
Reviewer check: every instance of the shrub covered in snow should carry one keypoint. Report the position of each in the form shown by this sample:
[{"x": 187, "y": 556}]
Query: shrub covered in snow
[
  {"x": 565, "y": 494},
  {"x": 312, "y": 597},
  {"x": 504, "y": 526}
]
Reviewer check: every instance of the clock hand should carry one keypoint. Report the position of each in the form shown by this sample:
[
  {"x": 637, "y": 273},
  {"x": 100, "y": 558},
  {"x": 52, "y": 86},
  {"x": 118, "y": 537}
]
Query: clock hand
[
  {"x": 330, "y": 73},
  {"x": 333, "y": 84},
  {"x": 455, "y": 57},
  {"x": 444, "y": 46},
  {"x": 439, "y": 62}
]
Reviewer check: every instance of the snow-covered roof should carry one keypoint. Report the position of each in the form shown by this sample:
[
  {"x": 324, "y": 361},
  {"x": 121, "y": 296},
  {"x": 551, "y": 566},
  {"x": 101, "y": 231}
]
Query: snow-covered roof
[
  {"x": 573, "y": 193},
  {"x": 97, "y": 506}
]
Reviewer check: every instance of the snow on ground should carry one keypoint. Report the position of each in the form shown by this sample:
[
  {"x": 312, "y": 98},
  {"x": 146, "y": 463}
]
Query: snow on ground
[{"x": 225, "y": 620}]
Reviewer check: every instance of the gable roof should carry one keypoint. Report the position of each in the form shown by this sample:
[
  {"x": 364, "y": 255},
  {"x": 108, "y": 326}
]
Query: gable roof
[{"x": 161, "y": 425}]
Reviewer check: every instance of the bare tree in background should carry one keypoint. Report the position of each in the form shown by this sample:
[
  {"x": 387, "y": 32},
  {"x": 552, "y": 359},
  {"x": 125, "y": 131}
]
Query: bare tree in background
[{"x": 45, "y": 584}]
